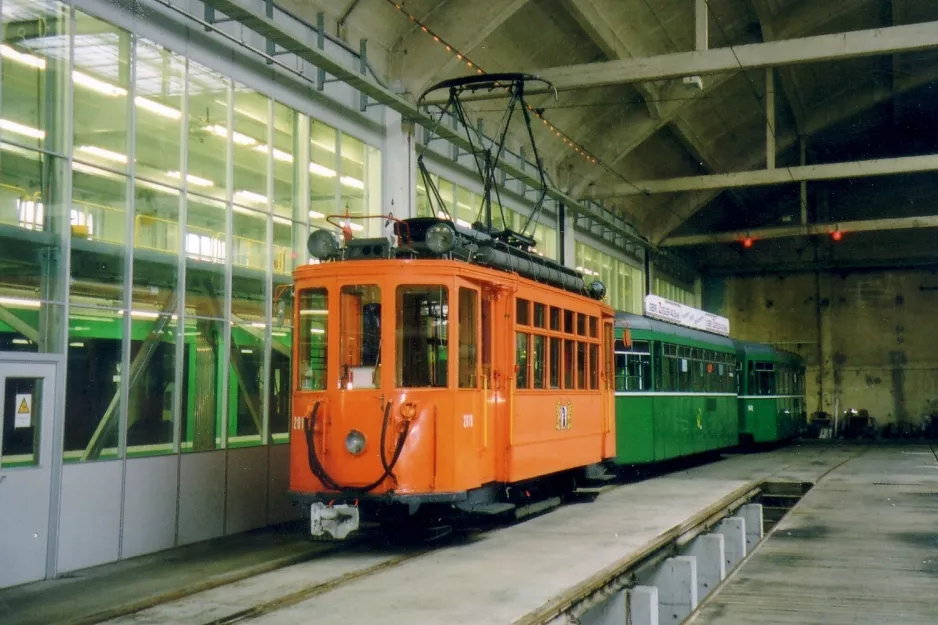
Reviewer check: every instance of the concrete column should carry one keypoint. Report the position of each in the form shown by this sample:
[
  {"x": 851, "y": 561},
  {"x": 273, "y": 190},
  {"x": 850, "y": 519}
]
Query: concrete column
[
  {"x": 752, "y": 514},
  {"x": 643, "y": 605},
  {"x": 710, "y": 551},
  {"x": 569, "y": 241},
  {"x": 676, "y": 580},
  {"x": 734, "y": 535},
  {"x": 400, "y": 169}
]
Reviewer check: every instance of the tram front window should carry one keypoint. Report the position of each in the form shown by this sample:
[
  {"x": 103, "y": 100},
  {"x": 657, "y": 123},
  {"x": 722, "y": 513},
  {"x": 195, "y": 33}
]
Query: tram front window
[
  {"x": 313, "y": 339},
  {"x": 359, "y": 336},
  {"x": 422, "y": 336}
]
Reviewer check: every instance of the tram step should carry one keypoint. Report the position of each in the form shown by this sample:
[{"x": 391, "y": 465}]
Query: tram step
[{"x": 493, "y": 508}]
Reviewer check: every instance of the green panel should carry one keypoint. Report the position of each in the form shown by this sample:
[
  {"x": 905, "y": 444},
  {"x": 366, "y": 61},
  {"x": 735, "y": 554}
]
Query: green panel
[
  {"x": 653, "y": 428},
  {"x": 760, "y": 419},
  {"x": 635, "y": 432}
]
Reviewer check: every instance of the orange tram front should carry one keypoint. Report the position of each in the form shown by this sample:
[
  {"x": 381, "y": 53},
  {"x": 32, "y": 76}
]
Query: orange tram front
[{"x": 425, "y": 381}]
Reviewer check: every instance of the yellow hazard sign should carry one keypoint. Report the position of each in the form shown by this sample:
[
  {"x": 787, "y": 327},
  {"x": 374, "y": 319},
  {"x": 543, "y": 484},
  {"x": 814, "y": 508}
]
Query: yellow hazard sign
[{"x": 24, "y": 411}]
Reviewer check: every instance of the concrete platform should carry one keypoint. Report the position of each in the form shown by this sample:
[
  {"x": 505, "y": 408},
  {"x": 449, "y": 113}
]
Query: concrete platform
[
  {"x": 93, "y": 594},
  {"x": 503, "y": 575},
  {"x": 861, "y": 547}
]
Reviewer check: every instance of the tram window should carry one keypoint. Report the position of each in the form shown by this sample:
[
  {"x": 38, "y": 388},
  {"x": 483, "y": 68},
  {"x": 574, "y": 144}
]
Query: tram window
[
  {"x": 581, "y": 324},
  {"x": 555, "y": 319},
  {"x": 313, "y": 339},
  {"x": 422, "y": 336},
  {"x": 581, "y": 364},
  {"x": 594, "y": 366},
  {"x": 569, "y": 368},
  {"x": 539, "y": 315},
  {"x": 521, "y": 359},
  {"x": 568, "y": 321},
  {"x": 762, "y": 379},
  {"x": 594, "y": 327},
  {"x": 538, "y": 354},
  {"x": 468, "y": 337},
  {"x": 359, "y": 336},
  {"x": 621, "y": 360},
  {"x": 523, "y": 312},
  {"x": 555, "y": 368}
]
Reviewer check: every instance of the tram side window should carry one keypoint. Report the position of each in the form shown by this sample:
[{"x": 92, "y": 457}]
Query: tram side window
[
  {"x": 556, "y": 347},
  {"x": 468, "y": 337},
  {"x": 594, "y": 366},
  {"x": 581, "y": 364},
  {"x": 633, "y": 367},
  {"x": 359, "y": 336},
  {"x": 569, "y": 367},
  {"x": 522, "y": 341},
  {"x": 313, "y": 339},
  {"x": 762, "y": 378},
  {"x": 539, "y": 356},
  {"x": 422, "y": 336},
  {"x": 523, "y": 312}
]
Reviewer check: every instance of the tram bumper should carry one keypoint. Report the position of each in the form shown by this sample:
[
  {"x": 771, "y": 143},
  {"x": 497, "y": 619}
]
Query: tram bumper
[{"x": 338, "y": 521}]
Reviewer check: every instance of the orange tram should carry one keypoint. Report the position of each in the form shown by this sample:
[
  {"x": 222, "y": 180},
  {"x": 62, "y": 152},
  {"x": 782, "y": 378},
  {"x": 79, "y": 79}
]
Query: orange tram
[{"x": 443, "y": 371}]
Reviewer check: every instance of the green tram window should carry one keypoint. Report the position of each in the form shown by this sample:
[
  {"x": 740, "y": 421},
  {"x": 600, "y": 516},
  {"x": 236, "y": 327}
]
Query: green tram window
[
  {"x": 522, "y": 342},
  {"x": 633, "y": 367}
]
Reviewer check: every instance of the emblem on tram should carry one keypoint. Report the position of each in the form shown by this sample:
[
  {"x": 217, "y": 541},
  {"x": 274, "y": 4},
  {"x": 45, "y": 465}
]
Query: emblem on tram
[{"x": 564, "y": 416}]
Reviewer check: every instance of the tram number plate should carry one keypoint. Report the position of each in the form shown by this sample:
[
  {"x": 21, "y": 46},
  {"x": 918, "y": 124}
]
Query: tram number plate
[
  {"x": 298, "y": 423},
  {"x": 467, "y": 420}
]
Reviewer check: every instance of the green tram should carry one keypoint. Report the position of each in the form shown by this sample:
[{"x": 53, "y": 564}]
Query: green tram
[
  {"x": 675, "y": 391},
  {"x": 771, "y": 393}
]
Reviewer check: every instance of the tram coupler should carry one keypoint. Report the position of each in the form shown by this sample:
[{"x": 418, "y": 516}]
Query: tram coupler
[{"x": 336, "y": 520}]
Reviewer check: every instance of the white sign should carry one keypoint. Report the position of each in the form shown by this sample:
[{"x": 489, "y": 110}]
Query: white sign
[
  {"x": 23, "y": 411},
  {"x": 674, "y": 312}
]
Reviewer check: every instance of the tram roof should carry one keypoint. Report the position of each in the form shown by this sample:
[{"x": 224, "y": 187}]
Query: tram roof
[
  {"x": 639, "y": 322},
  {"x": 761, "y": 351}
]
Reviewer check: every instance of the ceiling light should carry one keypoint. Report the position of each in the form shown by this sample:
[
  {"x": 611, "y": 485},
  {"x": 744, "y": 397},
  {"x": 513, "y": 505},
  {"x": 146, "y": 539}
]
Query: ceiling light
[
  {"x": 20, "y": 129},
  {"x": 20, "y": 342},
  {"x": 319, "y": 170},
  {"x": 156, "y": 187},
  {"x": 102, "y": 153},
  {"x": 279, "y": 155},
  {"x": 355, "y": 183},
  {"x": 100, "y": 86},
  {"x": 157, "y": 108},
  {"x": 237, "y": 137},
  {"x": 352, "y": 226},
  {"x": 26, "y": 59},
  {"x": 250, "y": 196},
  {"x": 315, "y": 215},
  {"x": 193, "y": 180}
]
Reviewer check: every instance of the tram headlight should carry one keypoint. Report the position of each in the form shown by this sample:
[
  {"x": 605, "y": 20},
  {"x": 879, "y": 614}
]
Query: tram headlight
[
  {"x": 355, "y": 442},
  {"x": 408, "y": 410},
  {"x": 322, "y": 244},
  {"x": 440, "y": 238},
  {"x": 596, "y": 289}
]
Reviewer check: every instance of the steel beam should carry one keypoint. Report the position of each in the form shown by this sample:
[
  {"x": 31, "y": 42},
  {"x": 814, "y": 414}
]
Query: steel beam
[
  {"x": 781, "y": 232},
  {"x": 801, "y": 50},
  {"x": 780, "y": 175}
]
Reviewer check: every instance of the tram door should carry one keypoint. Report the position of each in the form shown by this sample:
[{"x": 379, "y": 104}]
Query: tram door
[{"x": 27, "y": 400}]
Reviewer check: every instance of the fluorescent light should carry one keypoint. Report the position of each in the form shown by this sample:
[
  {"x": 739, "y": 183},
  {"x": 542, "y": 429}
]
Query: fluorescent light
[
  {"x": 152, "y": 185},
  {"x": 108, "y": 155},
  {"x": 16, "y": 301},
  {"x": 21, "y": 341},
  {"x": 237, "y": 137},
  {"x": 315, "y": 215},
  {"x": 279, "y": 155},
  {"x": 258, "y": 324},
  {"x": 311, "y": 331},
  {"x": 250, "y": 196},
  {"x": 157, "y": 108},
  {"x": 20, "y": 57},
  {"x": 314, "y": 311},
  {"x": 193, "y": 180},
  {"x": 20, "y": 129},
  {"x": 355, "y": 183},
  {"x": 319, "y": 170},
  {"x": 247, "y": 351},
  {"x": 76, "y": 344},
  {"x": 278, "y": 333},
  {"x": 100, "y": 86}
]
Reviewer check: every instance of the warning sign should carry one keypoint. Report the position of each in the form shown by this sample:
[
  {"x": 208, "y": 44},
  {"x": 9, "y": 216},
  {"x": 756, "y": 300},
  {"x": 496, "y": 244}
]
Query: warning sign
[{"x": 24, "y": 411}]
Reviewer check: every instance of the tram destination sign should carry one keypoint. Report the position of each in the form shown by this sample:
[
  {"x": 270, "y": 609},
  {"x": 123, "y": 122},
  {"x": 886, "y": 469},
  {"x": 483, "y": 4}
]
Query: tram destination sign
[{"x": 675, "y": 312}]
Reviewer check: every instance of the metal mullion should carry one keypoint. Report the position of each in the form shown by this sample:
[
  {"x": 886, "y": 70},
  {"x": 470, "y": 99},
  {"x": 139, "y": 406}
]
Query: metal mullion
[
  {"x": 225, "y": 357},
  {"x": 129, "y": 202},
  {"x": 180, "y": 345},
  {"x": 268, "y": 279}
]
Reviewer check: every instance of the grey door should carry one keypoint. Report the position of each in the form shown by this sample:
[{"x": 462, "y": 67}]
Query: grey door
[{"x": 27, "y": 398}]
